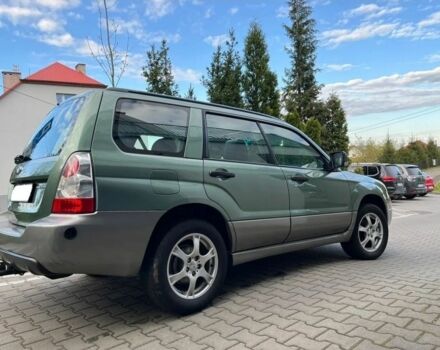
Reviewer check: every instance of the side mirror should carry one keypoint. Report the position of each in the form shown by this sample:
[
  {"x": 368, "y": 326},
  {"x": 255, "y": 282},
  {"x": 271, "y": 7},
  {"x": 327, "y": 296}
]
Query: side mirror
[{"x": 339, "y": 160}]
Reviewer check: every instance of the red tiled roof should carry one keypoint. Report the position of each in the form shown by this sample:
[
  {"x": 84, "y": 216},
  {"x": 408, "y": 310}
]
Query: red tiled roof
[{"x": 58, "y": 73}]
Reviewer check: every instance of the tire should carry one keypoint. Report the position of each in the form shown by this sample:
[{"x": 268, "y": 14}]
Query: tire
[
  {"x": 209, "y": 273},
  {"x": 412, "y": 196},
  {"x": 423, "y": 194},
  {"x": 374, "y": 246}
]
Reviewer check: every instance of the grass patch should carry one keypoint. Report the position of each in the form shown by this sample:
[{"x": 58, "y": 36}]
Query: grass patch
[{"x": 437, "y": 188}]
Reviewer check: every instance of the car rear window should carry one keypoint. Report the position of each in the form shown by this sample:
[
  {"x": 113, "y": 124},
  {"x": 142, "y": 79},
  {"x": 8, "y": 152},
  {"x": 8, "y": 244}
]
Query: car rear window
[
  {"x": 53, "y": 132},
  {"x": 414, "y": 171},
  {"x": 150, "y": 128},
  {"x": 392, "y": 170}
]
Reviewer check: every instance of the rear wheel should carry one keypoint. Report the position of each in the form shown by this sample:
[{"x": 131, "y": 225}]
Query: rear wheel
[
  {"x": 188, "y": 267},
  {"x": 423, "y": 194},
  {"x": 370, "y": 235},
  {"x": 410, "y": 196}
]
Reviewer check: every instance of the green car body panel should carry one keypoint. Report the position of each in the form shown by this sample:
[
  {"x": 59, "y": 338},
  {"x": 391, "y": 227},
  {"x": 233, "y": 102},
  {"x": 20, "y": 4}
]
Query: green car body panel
[{"x": 263, "y": 210}]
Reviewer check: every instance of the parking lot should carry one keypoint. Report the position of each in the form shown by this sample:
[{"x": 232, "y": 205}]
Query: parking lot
[{"x": 314, "y": 299}]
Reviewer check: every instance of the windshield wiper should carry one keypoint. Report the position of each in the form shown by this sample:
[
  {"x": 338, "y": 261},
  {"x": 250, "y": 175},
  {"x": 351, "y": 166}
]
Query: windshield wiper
[{"x": 21, "y": 158}]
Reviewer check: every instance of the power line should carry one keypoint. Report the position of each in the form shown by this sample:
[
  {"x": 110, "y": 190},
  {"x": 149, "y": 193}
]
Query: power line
[
  {"x": 407, "y": 117},
  {"x": 33, "y": 97}
]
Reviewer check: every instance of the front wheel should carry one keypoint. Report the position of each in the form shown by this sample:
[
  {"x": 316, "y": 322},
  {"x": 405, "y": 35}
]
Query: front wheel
[
  {"x": 370, "y": 235},
  {"x": 188, "y": 267}
]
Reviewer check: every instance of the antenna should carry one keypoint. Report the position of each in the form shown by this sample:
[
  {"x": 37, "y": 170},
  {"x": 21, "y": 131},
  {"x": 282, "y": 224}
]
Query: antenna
[{"x": 15, "y": 68}]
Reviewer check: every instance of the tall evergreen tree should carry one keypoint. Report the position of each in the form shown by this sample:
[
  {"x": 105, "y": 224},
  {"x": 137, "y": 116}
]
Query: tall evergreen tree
[
  {"x": 301, "y": 91},
  {"x": 213, "y": 81},
  {"x": 433, "y": 152},
  {"x": 223, "y": 80},
  {"x": 313, "y": 130},
  {"x": 294, "y": 119},
  {"x": 388, "y": 152},
  {"x": 158, "y": 71},
  {"x": 190, "y": 94},
  {"x": 259, "y": 82},
  {"x": 334, "y": 125}
]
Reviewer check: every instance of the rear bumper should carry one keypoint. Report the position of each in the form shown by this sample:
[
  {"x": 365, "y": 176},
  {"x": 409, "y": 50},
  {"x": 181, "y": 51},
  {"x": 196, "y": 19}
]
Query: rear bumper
[
  {"x": 102, "y": 243},
  {"x": 411, "y": 190},
  {"x": 26, "y": 264}
]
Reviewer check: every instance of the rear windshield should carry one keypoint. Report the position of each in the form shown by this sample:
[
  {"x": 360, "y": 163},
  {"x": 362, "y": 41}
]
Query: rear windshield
[
  {"x": 414, "y": 171},
  {"x": 392, "y": 170},
  {"x": 52, "y": 133}
]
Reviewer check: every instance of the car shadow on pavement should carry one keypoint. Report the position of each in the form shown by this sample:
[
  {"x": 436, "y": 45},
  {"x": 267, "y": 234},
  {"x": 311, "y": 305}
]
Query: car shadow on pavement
[{"x": 116, "y": 306}]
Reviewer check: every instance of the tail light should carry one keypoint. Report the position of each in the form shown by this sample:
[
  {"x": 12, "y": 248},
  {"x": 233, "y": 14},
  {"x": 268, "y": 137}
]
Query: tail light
[
  {"x": 75, "y": 193},
  {"x": 389, "y": 179}
]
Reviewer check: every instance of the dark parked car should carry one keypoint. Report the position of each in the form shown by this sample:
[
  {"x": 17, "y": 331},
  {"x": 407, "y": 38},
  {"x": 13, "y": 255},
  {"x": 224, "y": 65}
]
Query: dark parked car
[
  {"x": 389, "y": 174},
  {"x": 414, "y": 180}
]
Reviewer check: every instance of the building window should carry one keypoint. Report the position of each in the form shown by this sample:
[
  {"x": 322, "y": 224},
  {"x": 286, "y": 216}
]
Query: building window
[{"x": 63, "y": 97}]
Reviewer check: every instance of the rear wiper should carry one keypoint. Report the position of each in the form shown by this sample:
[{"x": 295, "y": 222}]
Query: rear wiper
[{"x": 21, "y": 158}]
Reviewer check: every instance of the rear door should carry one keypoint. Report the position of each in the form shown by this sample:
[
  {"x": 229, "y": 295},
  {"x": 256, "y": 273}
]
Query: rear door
[
  {"x": 319, "y": 200},
  {"x": 68, "y": 127},
  {"x": 240, "y": 176}
]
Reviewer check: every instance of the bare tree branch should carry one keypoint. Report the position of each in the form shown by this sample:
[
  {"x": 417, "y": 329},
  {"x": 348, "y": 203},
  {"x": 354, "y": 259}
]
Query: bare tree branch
[{"x": 112, "y": 61}]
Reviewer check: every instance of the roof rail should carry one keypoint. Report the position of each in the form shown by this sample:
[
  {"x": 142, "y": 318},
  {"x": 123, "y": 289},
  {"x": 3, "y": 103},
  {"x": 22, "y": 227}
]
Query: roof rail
[{"x": 188, "y": 100}]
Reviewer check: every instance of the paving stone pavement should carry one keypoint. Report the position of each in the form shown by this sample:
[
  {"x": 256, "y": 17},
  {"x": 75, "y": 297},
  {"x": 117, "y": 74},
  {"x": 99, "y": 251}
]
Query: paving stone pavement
[{"x": 314, "y": 299}]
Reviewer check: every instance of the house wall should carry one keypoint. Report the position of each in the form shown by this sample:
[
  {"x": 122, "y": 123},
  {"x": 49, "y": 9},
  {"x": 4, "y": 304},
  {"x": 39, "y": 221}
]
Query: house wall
[{"x": 21, "y": 111}]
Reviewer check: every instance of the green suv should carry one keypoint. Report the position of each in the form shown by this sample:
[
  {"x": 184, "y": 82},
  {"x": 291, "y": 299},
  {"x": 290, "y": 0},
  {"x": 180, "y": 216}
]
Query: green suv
[{"x": 125, "y": 183}]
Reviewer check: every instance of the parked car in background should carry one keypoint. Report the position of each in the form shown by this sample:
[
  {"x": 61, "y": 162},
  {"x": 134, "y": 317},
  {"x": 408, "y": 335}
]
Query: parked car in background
[
  {"x": 429, "y": 182},
  {"x": 388, "y": 174},
  {"x": 124, "y": 183},
  {"x": 414, "y": 180}
]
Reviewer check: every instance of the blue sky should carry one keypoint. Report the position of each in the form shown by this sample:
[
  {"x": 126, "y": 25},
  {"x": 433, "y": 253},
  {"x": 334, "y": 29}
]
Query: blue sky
[{"x": 382, "y": 57}]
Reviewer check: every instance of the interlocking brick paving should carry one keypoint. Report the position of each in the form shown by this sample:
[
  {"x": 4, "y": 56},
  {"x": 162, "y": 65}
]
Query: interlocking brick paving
[{"x": 314, "y": 299}]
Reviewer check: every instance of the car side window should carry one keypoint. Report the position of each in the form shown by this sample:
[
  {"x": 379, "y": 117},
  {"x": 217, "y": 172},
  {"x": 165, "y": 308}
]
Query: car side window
[
  {"x": 290, "y": 149},
  {"x": 150, "y": 128},
  {"x": 237, "y": 140}
]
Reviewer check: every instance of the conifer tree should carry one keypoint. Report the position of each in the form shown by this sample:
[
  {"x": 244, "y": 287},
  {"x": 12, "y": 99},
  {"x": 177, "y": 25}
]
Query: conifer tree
[
  {"x": 223, "y": 80},
  {"x": 158, "y": 71},
  {"x": 259, "y": 82},
  {"x": 334, "y": 123},
  {"x": 301, "y": 92},
  {"x": 190, "y": 94}
]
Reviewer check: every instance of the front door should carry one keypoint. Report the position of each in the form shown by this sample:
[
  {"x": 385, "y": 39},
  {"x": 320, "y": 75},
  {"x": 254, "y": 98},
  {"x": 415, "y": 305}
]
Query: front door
[
  {"x": 319, "y": 200},
  {"x": 240, "y": 176}
]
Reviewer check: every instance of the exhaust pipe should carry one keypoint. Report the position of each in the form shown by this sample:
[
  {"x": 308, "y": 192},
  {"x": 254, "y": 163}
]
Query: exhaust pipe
[{"x": 8, "y": 269}]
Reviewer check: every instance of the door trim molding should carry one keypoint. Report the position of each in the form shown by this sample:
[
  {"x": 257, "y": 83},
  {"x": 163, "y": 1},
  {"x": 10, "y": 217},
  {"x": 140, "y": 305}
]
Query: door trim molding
[{"x": 259, "y": 253}]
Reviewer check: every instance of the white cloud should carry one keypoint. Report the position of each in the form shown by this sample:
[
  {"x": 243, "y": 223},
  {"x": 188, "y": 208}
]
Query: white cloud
[
  {"x": 48, "y": 25},
  {"x": 187, "y": 75},
  {"x": 434, "y": 58},
  {"x": 58, "y": 4},
  {"x": 159, "y": 8},
  {"x": 216, "y": 40},
  {"x": 336, "y": 37},
  {"x": 283, "y": 11},
  {"x": 58, "y": 40},
  {"x": 368, "y": 30},
  {"x": 233, "y": 10},
  {"x": 388, "y": 93},
  {"x": 432, "y": 20},
  {"x": 16, "y": 14},
  {"x": 372, "y": 11},
  {"x": 208, "y": 13},
  {"x": 339, "y": 67}
]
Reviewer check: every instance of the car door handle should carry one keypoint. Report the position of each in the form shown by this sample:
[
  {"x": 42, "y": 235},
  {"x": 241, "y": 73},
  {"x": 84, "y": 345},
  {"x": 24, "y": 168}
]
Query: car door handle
[
  {"x": 299, "y": 178},
  {"x": 221, "y": 174}
]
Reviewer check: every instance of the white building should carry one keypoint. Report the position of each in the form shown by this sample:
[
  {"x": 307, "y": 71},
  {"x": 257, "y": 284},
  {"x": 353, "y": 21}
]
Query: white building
[{"x": 25, "y": 102}]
